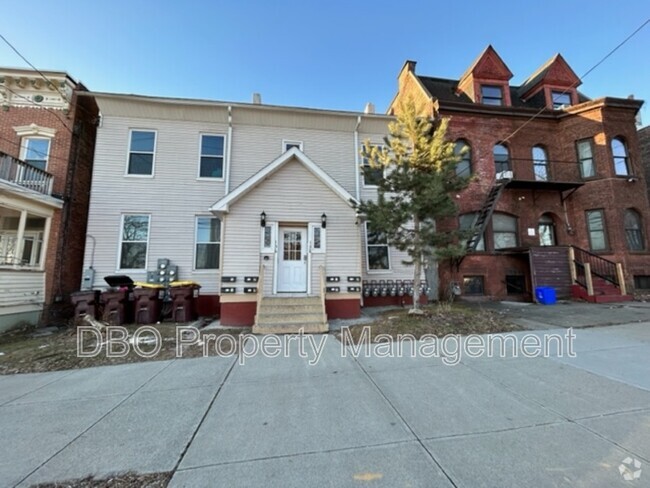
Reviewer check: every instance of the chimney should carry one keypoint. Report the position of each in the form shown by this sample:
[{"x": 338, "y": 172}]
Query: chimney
[
  {"x": 257, "y": 99},
  {"x": 370, "y": 108}
]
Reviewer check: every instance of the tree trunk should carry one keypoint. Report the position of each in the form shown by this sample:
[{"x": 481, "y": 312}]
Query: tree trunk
[{"x": 417, "y": 269}]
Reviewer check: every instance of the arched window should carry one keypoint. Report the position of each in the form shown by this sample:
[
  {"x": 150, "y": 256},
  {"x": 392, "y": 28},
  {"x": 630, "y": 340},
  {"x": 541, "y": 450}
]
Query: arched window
[
  {"x": 540, "y": 163},
  {"x": 462, "y": 150},
  {"x": 633, "y": 230},
  {"x": 501, "y": 158},
  {"x": 546, "y": 230},
  {"x": 504, "y": 231},
  {"x": 619, "y": 153}
]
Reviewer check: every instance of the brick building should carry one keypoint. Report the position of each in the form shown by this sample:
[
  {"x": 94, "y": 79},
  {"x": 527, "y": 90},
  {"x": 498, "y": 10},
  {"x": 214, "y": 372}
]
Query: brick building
[
  {"x": 47, "y": 136},
  {"x": 644, "y": 147},
  {"x": 558, "y": 196}
]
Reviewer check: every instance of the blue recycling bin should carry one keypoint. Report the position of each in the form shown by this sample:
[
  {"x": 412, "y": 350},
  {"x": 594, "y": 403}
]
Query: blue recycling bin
[{"x": 545, "y": 295}]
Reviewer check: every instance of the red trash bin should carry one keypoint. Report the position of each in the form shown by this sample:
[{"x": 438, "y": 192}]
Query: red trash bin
[
  {"x": 85, "y": 302},
  {"x": 148, "y": 304}
]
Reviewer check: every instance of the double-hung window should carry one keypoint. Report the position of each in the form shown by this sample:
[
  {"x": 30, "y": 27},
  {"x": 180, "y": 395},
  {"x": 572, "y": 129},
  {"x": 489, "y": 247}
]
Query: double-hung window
[
  {"x": 377, "y": 249},
  {"x": 212, "y": 151},
  {"x": 134, "y": 241},
  {"x": 464, "y": 152},
  {"x": 586, "y": 158},
  {"x": 208, "y": 242},
  {"x": 504, "y": 231},
  {"x": 372, "y": 175},
  {"x": 142, "y": 148},
  {"x": 633, "y": 230},
  {"x": 619, "y": 153},
  {"x": 596, "y": 230},
  {"x": 560, "y": 99},
  {"x": 491, "y": 95},
  {"x": 36, "y": 151}
]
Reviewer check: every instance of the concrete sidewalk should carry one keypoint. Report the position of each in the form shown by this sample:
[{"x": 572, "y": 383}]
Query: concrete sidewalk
[{"x": 380, "y": 422}]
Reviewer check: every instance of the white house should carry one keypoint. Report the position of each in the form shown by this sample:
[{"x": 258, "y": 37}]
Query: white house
[{"x": 254, "y": 202}]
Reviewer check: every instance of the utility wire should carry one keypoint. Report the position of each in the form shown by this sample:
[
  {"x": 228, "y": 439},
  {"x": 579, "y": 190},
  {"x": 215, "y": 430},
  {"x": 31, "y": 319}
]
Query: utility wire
[
  {"x": 33, "y": 67},
  {"x": 574, "y": 84},
  {"x": 56, "y": 114}
]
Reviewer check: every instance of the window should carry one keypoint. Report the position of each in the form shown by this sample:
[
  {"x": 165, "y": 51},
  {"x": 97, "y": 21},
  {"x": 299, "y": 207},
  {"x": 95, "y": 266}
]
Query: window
[
  {"x": 267, "y": 239},
  {"x": 36, "y": 151},
  {"x": 465, "y": 222},
  {"x": 371, "y": 175},
  {"x": 586, "y": 158},
  {"x": 504, "y": 231},
  {"x": 501, "y": 158},
  {"x": 619, "y": 153},
  {"x": 208, "y": 242},
  {"x": 633, "y": 230},
  {"x": 141, "y": 152},
  {"x": 596, "y": 230},
  {"x": 317, "y": 238},
  {"x": 546, "y": 230},
  {"x": 540, "y": 163},
  {"x": 32, "y": 241},
  {"x": 491, "y": 95},
  {"x": 642, "y": 282},
  {"x": 134, "y": 241},
  {"x": 473, "y": 285},
  {"x": 211, "y": 164},
  {"x": 464, "y": 152},
  {"x": 377, "y": 250},
  {"x": 560, "y": 99},
  {"x": 286, "y": 145}
]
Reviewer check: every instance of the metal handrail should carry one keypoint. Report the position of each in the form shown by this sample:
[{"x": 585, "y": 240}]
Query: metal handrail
[
  {"x": 537, "y": 170},
  {"x": 601, "y": 267}
]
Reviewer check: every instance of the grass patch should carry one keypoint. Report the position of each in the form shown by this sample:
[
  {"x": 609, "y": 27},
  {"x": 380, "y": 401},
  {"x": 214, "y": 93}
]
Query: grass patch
[
  {"x": 437, "y": 319},
  {"x": 25, "y": 352}
]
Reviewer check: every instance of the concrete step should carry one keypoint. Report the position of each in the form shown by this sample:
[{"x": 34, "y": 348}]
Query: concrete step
[
  {"x": 273, "y": 308},
  {"x": 283, "y": 301},
  {"x": 306, "y": 327},
  {"x": 289, "y": 318}
]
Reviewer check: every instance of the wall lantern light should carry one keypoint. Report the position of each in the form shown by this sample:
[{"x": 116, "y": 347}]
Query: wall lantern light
[
  {"x": 263, "y": 219},
  {"x": 323, "y": 221}
]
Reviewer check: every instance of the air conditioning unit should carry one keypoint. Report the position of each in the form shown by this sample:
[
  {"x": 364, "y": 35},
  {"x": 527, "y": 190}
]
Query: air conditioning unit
[{"x": 504, "y": 175}]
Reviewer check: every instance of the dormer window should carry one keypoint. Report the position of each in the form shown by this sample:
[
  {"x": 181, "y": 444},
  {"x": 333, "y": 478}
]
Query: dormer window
[
  {"x": 491, "y": 95},
  {"x": 560, "y": 99}
]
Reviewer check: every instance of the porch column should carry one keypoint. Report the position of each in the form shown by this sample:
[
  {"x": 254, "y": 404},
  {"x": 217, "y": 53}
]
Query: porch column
[
  {"x": 20, "y": 237},
  {"x": 46, "y": 238}
]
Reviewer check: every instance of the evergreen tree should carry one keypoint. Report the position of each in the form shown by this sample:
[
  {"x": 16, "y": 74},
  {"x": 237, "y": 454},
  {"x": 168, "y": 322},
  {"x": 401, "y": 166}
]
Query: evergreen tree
[{"x": 417, "y": 191}]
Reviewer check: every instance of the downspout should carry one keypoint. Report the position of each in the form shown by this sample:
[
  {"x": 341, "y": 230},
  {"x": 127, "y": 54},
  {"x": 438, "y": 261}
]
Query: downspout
[
  {"x": 228, "y": 150},
  {"x": 356, "y": 159}
]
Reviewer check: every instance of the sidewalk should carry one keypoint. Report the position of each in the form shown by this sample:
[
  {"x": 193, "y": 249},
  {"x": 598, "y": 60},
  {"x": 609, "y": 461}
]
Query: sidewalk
[{"x": 343, "y": 422}]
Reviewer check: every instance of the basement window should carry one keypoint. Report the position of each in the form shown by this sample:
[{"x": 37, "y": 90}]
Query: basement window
[
  {"x": 642, "y": 282},
  {"x": 515, "y": 284},
  {"x": 473, "y": 285}
]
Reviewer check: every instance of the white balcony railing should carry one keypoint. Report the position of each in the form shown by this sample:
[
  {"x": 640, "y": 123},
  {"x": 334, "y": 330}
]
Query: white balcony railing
[{"x": 24, "y": 174}]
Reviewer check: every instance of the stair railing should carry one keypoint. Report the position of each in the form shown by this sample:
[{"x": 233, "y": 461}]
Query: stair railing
[
  {"x": 323, "y": 289},
  {"x": 586, "y": 265},
  {"x": 260, "y": 286}
]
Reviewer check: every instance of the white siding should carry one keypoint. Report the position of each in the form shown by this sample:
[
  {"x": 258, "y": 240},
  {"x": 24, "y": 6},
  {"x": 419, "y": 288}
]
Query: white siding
[
  {"x": 21, "y": 288},
  {"x": 292, "y": 195}
]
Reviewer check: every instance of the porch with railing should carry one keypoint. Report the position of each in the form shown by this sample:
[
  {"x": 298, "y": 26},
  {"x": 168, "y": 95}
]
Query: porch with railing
[
  {"x": 24, "y": 174},
  {"x": 595, "y": 278}
]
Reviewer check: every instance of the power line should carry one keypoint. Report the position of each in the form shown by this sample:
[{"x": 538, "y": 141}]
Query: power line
[
  {"x": 40, "y": 153},
  {"x": 34, "y": 67},
  {"x": 575, "y": 83},
  {"x": 56, "y": 114}
]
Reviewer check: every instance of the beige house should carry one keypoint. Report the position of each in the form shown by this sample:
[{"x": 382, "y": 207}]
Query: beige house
[{"x": 254, "y": 202}]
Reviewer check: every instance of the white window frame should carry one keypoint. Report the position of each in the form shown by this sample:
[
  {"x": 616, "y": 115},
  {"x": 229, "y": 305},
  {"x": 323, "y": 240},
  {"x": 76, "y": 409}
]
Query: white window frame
[
  {"x": 23, "y": 148},
  {"x": 128, "y": 153},
  {"x": 377, "y": 271},
  {"x": 286, "y": 142},
  {"x": 119, "y": 243},
  {"x": 223, "y": 157},
  {"x": 323, "y": 239},
  {"x": 274, "y": 238},
  {"x": 363, "y": 164},
  {"x": 196, "y": 242},
  {"x": 35, "y": 258}
]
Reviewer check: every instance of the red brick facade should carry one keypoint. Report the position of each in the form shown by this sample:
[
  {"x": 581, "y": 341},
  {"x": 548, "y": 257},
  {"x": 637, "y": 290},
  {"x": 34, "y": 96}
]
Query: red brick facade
[
  {"x": 70, "y": 163},
  {"x": 482, "y": 126}
]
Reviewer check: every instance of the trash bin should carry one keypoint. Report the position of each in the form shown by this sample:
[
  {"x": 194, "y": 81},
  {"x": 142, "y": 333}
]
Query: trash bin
[
  {"x": 183, "y": 294},
  {"x": 545, "y": 295},
  {"x": 118, "y": 300},
  {"x": 85, "y": 302},
  {"x": 148, "y": 303}
]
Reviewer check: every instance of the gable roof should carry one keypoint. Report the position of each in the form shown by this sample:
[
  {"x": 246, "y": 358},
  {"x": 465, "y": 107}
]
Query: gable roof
[
  {"x": 488, "y": 63},
  {"x": 223, "y": 205},
  {"x": 556, "y": 70}
]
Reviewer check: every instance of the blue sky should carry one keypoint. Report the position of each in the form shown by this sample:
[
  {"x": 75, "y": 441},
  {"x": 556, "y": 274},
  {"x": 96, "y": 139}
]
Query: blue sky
[{"x": 329, "y": 54}]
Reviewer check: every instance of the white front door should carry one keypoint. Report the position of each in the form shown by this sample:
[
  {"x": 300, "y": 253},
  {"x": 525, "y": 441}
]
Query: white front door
[{"x": 292, "y": 260}]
